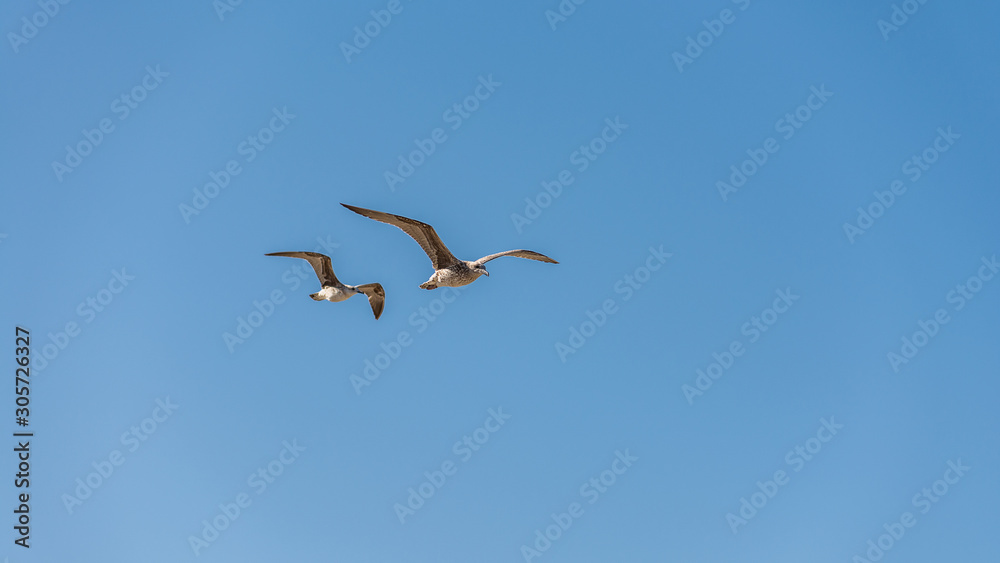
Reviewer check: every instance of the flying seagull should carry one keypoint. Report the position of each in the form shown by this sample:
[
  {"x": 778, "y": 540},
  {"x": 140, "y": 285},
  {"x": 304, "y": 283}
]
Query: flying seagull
[
  {"x": 448, "y": 270},
  {"x": 333, "y": 290}
]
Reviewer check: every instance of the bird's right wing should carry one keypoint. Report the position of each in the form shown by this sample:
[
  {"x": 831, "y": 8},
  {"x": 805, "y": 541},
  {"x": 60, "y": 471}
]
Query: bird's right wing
[
  {"x": 423, "y": 233},
  {"x": 376, "y": 297},
  {"x": 319, "y": 262}
]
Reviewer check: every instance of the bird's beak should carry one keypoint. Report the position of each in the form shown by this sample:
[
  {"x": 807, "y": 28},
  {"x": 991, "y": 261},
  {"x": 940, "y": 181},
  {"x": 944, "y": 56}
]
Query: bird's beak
[{"x": 485, "y": 273}]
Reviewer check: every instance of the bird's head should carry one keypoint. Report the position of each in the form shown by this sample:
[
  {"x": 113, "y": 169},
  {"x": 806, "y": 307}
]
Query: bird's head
[{"x": 481, "y": 270}]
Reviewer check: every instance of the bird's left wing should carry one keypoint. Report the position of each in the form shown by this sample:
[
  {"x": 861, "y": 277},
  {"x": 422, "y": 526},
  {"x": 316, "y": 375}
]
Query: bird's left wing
[
  {"x": 529, "y": 254},
  {"x": 376, "y": 297}
]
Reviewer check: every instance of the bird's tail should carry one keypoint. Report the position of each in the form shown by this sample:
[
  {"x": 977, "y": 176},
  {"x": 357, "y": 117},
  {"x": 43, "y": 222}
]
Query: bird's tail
[
  {"x": 376, "y": 297},
  {"x": 316, "y": 296}
]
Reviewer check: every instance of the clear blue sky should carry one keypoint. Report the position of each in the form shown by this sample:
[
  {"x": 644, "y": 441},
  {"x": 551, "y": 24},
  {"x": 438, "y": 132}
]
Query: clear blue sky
[{"x": 836, "y": 304}]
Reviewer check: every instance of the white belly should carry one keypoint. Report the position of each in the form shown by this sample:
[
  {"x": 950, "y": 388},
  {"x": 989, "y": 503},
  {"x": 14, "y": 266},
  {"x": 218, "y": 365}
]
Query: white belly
[
  {"x": 452, "y": 278},
  {"x": 333, "y": 294}
]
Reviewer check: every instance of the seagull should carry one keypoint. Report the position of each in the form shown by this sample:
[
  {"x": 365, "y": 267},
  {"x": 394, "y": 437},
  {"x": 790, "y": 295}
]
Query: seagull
[
  {"x": 333, "y": 290},
  {"x": 448, "y": 270}
]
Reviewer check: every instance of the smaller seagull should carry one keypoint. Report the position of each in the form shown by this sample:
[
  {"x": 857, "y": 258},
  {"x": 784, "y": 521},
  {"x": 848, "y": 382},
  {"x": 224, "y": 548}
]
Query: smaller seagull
[
  {"x": 333, "y": 290},
  {"x": 448, "y": 270}
]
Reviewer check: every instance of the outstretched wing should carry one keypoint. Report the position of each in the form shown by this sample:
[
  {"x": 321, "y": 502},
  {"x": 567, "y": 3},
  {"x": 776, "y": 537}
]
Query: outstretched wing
[
  {"x": 376, "y": 297},
  {"x": 423, "y": 233},
  {"x": 529, "y": 254},
  {"x": 319, "y": 262}
]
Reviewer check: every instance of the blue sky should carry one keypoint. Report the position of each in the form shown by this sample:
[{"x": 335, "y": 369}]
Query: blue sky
[{"x": 213, "y": 139}]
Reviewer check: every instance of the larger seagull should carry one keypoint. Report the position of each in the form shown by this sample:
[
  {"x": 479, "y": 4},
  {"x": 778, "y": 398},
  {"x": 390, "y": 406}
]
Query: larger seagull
[
  {"x": 448, "y": 270},
  {"x": 333, "y": 290}
]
